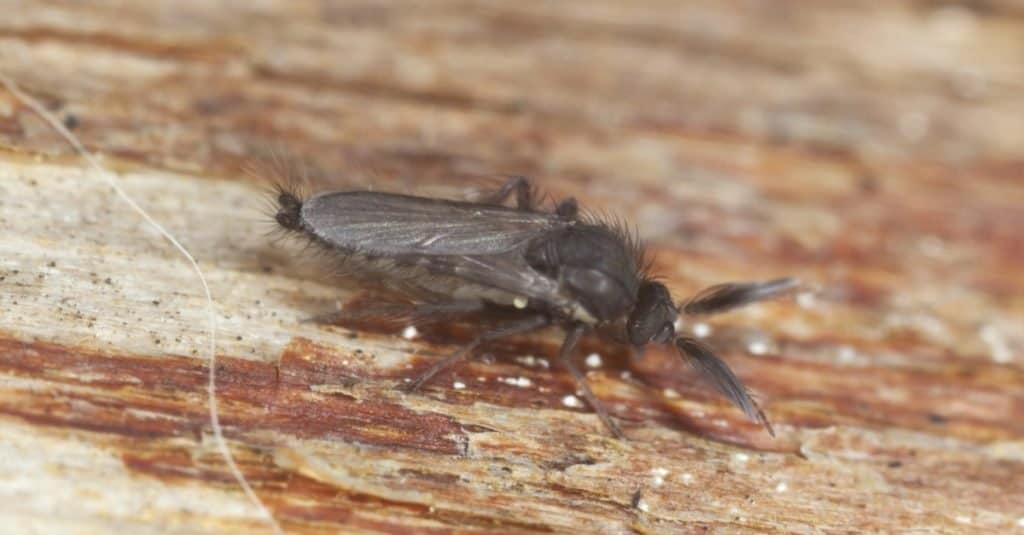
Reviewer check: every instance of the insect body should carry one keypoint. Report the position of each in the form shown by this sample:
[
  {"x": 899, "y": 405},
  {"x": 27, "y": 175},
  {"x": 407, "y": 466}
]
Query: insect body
[{"x": 539, "y": 267}]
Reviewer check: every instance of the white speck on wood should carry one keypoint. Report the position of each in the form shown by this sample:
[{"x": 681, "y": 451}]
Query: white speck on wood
[{"x": 572, "y": 401}]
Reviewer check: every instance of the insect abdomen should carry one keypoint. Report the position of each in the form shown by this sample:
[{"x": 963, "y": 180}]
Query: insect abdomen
[{"x": 289, "y": 210}]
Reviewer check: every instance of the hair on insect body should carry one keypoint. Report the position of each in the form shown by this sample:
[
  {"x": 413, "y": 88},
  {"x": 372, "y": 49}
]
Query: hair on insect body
[{"x": 538, "y": 267}]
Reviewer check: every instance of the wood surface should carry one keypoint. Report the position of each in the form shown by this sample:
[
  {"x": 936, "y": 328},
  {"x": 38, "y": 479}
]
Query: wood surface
[{"x": 873, "y": 149}]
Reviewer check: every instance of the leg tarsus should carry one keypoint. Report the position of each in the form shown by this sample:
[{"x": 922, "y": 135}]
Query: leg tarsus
[{"x": 572, "y": 337}]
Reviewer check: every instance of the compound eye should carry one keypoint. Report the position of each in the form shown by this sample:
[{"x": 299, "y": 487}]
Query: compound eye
[{"x": 653, "y": 316}]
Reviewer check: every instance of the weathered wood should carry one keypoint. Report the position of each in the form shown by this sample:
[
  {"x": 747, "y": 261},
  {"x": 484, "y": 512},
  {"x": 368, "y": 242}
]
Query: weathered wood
[{"x": 873, "y": 149}]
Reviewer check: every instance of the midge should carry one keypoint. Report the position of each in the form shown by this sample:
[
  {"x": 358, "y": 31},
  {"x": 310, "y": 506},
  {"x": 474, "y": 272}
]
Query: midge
[{"x": 535, "y": 268}]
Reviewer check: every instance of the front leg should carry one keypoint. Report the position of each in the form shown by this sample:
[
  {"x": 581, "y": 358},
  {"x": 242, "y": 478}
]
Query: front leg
[{"x": 572, "y": 337}]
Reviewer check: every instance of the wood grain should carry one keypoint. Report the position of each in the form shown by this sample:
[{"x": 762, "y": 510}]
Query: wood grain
[{"x": 872, "y": 149}]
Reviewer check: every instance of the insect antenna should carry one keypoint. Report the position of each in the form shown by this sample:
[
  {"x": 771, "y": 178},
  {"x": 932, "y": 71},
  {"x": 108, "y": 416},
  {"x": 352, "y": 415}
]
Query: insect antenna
[
  {"x": 715, "y": 370},
  {"x": 724, "y": 297}
]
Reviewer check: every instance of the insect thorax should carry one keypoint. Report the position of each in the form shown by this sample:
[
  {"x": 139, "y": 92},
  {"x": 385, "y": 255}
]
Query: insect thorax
[{"x": 594, "y": 265}]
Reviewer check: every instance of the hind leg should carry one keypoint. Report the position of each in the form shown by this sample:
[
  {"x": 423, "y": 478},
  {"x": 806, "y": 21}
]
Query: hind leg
[
  {"x": 518, "y": 326},
  {"x": 413, "y": 314}
]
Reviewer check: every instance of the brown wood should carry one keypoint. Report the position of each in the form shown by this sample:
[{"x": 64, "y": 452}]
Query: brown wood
[{"x": 873, "y": 149}]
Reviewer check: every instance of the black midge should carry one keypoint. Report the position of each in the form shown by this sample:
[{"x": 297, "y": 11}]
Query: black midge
[{"x": 538, "y": 267}]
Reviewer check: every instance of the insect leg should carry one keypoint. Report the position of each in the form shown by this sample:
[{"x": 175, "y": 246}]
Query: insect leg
[
  {"x": 520, "y": 185},
  {"x": 723, "y": 297},
  {"x": 415, "y": 314},
  {"x": 572, "y": 337},
  {"x": 522, "y": 325},
  {"x": 526, "y": 198},
  {"x": 567, "y": 209}
]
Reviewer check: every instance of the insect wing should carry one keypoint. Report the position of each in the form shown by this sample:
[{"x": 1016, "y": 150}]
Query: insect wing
[
  {"x": 507, "y": 272},
  {"x": 397, "y": 225}
]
